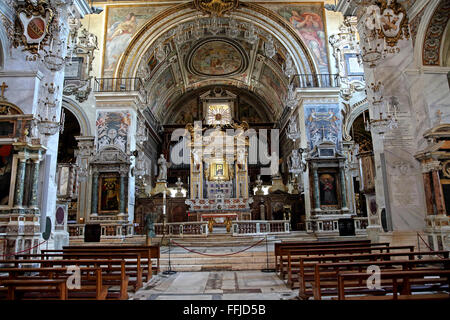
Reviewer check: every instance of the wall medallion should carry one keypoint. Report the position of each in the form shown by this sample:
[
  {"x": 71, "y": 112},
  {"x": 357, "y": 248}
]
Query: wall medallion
[{"x": 32, "y": 25}]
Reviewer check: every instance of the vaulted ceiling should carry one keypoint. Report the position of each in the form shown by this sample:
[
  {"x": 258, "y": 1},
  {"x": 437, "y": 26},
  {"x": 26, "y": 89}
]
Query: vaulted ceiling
[
  {"x": 215, "y": 59},
  {"x": 181, "y": 50}
]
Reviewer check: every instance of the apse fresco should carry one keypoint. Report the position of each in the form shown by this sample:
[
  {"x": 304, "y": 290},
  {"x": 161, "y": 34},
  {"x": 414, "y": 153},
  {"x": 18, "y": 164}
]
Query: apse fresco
[
  {"x": 216, "y": 58},
  {"x": 323, "y": 124},
  {"x": 271, "y": 80},
  {"x": 188, "y": 114},
  {"x": 308, "y": 21},
  {"x": 248, "y": 114},
  {"x": 112, "y": 129},
  {"x": 122, "y": 24},
  {"x": 162, "y": 85}
]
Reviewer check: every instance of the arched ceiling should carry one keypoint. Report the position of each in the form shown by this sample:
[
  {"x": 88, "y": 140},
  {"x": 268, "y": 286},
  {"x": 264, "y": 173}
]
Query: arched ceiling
[
  {"x": 180, "y": 51},
  {"x": 188, "y": 108}
]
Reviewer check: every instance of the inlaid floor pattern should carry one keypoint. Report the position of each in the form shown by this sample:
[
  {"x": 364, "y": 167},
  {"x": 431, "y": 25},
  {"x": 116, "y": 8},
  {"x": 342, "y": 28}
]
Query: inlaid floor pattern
[{"x": 215, "y": 285}]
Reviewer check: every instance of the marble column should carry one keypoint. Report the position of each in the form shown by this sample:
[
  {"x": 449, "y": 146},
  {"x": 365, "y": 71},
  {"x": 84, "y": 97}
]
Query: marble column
[
  {"x": 428, "y": 193},
  {"x": 34, "y": 184},
  {"x": 343, "y": 188},
  {"x": 316, "y": 189},
  {"x": 438, "y": 196},
  {"x": 122, "y": 195},
  {"x": 20, "y": 182},
  {"x": 94, "y": 202}
]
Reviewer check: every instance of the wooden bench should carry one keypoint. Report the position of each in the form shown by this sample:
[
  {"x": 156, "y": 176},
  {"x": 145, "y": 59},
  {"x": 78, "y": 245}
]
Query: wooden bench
[
  {"x": 294, "y": 256},
  {"x": 149, "y": 252},
  {"x": 307, "y": 264},
  {"x": 283, "y": 252},
  {"x": 57, "y": 285},
  {"x": 278, "y": 246},
  {"x": 91, "y": 282},
  {"x": 402, "y": 285},
  {"x": 133, "y": 265},
  {"x": 113, "y": 270},
  {"x": 325, "y": 277}
]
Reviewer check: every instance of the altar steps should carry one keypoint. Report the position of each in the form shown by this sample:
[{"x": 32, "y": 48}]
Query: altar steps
[{"x": 195, "y": 262}]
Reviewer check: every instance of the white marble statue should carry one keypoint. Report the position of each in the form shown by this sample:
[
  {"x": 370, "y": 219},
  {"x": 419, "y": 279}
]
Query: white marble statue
[
  {"x": 295, "y": 160},
  {"x": 163, "y": 165},
  {"x": 179, "y": 185}
]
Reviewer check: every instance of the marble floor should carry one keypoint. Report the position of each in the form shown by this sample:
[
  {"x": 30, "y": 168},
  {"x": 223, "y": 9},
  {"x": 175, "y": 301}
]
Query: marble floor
[{"x": 215, "y": 285}]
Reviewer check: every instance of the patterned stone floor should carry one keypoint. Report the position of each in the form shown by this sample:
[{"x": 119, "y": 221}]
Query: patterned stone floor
[{"x": 215, "y": 285}]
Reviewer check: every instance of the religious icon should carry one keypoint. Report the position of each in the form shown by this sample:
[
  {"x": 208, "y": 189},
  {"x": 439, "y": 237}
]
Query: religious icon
[
  {"x": 328, "y": 195},
  {"x": 219, "y": 169},
  {"x": 109, "y": 194}
]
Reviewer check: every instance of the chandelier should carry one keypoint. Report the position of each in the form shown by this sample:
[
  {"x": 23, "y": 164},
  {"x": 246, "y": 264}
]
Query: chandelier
[
  {"x": 289, "y": 68},
  {"x": 372, "y": 47},
  {"x": 82, "y": 167},
  {"x": 384, "y": 113},
  {"x": 291, "y": 100},
  {"x": 47, "y": 124},
  {"x": 142, "y": 133},
  {"x": 293, "y": 132},
  {"x": 250, "y": 34},
  {"x": 269, "y": 47},
  {"x": 385, "y": 23}
]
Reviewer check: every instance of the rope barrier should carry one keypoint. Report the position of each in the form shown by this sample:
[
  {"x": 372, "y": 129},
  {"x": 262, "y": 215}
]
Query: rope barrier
[
  {"x": 218, "y": 255},
  {"x": 431, "y": 249},
  {"x": 13, "y": 254}
]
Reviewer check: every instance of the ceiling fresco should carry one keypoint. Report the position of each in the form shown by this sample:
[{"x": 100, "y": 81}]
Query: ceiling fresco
[
  {"x": 217, "y": 58},
  {"x": 222, "y": 51}
]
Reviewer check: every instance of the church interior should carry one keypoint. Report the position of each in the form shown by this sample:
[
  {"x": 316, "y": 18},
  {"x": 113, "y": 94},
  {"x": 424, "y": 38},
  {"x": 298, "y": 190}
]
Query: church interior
[{"x": 248, "y": 141}]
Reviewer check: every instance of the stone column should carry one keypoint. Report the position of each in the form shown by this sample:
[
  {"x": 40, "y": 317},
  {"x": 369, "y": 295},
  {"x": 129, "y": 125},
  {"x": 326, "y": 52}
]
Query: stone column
[
  {"x": 94, "y": 201},
  {"x": 20, "y": 182},
  {"x": 428, "y": 193},
  {"x": 316, "y": 189},
  {"x": 34, "y": 184},
  {"x": 343, "y": 188},
  {"x": 438, "y": 196}
]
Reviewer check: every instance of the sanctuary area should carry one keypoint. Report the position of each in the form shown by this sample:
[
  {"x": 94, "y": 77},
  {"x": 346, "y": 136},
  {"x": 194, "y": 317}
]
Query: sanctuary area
[{"x": 212, "y": 137}]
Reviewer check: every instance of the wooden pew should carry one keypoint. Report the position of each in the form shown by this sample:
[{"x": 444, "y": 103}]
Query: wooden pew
[
  {"x": 294, "y": 255},
  {"x": 283, "y": 252},
  {"x": 402, "y": 284},
  {"x": 325, "y": 276},
  {"x": 91, "y": 282},
  {"x": 307, "y": 264},
  {"x": 146, "y": 255},
  {"x": 133, "y": 266},
  {"x": 278, "y": 246},
  {"x": 153, "y": 253},
  {"x": 58, "y": 285},
  {"x": 113, "y": 270}
]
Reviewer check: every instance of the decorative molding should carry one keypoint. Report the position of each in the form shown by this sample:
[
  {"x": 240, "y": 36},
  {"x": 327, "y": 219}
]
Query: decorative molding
[
  {"x": 216, "y": 7},
  {"x": 434, "y": 34}
]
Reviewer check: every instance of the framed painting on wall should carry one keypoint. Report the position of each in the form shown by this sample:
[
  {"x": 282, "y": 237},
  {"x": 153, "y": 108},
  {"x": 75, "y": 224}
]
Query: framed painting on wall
[
  {"x": 328, "y": 190},
  {"x": 109, "y": 197},
  {"x": 6, "y": 164}
]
